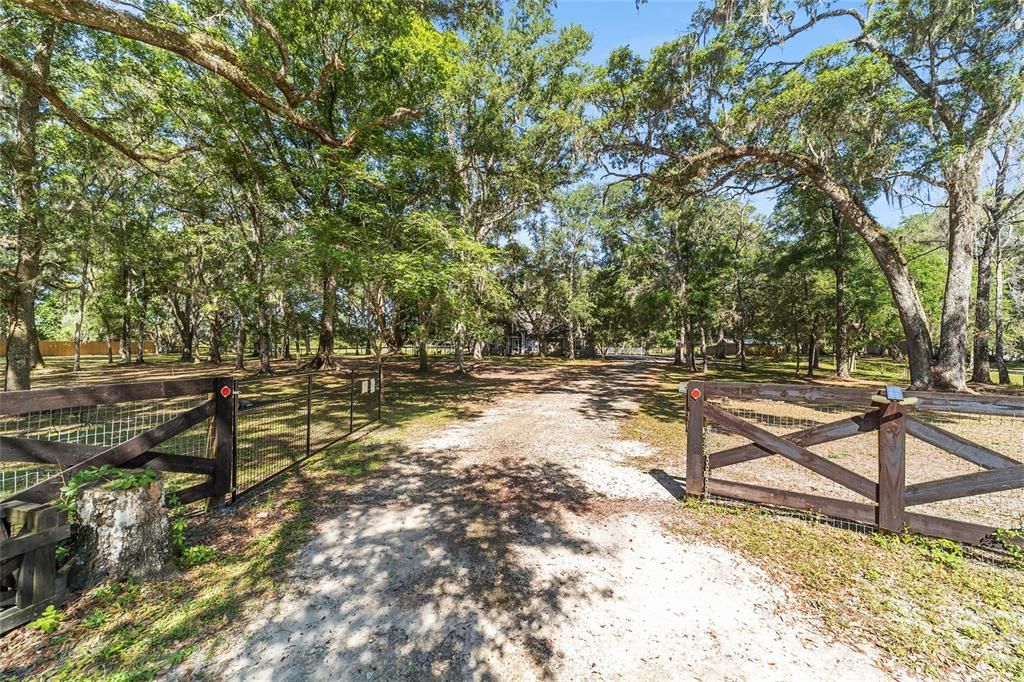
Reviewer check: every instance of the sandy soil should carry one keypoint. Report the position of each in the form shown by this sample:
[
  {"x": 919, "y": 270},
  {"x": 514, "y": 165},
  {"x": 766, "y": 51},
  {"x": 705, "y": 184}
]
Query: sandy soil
[{"x": 522, "y": 544}]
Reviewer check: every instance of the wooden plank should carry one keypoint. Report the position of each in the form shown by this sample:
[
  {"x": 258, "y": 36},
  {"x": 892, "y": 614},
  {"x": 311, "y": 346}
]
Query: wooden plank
[
  {"x": 816, "y": 435},
  {"x": 933, "y": 401},
  {"x": 856, "y": 397},
  {"x": 19, "y": 402},
  {"x": 695, "y": 438},
  {"x": 802, "y": 456},
  {"x": 38, "y": 573},
  {"x": 978, "y": 483},
  {"x": 892, "y": 468},
  {"x": 956, "y": 445},
  {"x": 17, "y": 511},
  {"x": 68, "y": 454},
  {"x": 999, "y": 405},
  {"x": 10, "y": 564},
  {"x": 119, "y": 454},
  {"x": 28, "y": 542},
  {"x": 960, "y": 531},
  {"x": 196, "y": 492},
  {"x": 854, "y": 511},
  {"x": 12, "y": 618}
]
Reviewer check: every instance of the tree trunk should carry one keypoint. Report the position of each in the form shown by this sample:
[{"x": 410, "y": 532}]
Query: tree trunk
[
  {"x": 704, "y": 349},
  {"x": 140, "y": 355},
  {"x": 1004, "y": 372},
  {"x": 424, "y": 357},
  {"x": 812, "y": 354},
  {"x": 460, "y": 342},
  {"x": 22, "y": 352},
  {"x": 80, "y": 318},
  {"x": 324, "y": 358},
  {"x": 982, "y": 309},
  {"x": 478, "y": 349},
  {"x": 110, "y": 348},
  {"x": 962, "y": 180},
  {"x": 216, "y": 330},
  {"x": 741, "y": 351},
  {"x": 680, "y": 352},
  {"x": 842, "y": 349},
  {"x": 264, "y": 340},
  {"x": 691, "y": 360},
  {"x": 240, "y": 343}
]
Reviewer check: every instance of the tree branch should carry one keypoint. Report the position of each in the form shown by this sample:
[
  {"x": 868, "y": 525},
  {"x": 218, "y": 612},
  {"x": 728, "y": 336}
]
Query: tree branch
[{"x": 19, "y": 72}]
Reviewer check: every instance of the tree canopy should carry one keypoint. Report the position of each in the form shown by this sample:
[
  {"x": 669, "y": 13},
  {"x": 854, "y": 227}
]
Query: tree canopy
[{"x": 257, "y": 177}]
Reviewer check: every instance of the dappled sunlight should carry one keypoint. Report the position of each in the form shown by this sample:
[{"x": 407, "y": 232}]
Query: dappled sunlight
[{"x": 423, "y": 564}]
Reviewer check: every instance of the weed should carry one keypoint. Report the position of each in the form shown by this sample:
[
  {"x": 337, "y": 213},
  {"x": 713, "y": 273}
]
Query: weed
[{"x": 48, "y": 621}]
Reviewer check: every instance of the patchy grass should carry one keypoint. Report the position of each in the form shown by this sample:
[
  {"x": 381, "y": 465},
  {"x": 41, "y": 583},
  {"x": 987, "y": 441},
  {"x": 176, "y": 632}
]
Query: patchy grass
[{"x": 922, "y": 601}]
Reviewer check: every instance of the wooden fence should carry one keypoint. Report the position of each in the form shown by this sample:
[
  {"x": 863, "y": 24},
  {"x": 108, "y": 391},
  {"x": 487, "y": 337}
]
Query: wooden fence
[
  {"x": 29, "y": 581},
  {"x": 889, "y": 498},
  {"x": 50, "y": 349}
]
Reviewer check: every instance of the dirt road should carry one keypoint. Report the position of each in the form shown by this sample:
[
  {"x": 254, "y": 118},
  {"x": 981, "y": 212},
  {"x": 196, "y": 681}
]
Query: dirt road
[{"x": 520, "y": 543}]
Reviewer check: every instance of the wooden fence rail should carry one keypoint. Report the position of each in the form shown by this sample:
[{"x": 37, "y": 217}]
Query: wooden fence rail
[{"x": 888, "y": 498}]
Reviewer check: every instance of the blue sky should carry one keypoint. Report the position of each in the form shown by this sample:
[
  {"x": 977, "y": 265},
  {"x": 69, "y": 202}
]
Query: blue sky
[{"x": 613, "y": 23}]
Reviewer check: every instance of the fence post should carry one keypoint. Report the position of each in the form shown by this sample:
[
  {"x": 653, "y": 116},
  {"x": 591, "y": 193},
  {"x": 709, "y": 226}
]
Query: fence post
[
  {"x": 223, "y": 439},
  {"x": 309, "y": 412},
  {"x": 695, "y": 438},
  {"x": 892, "y": 470},
  {"x": 351, "y": 398}
]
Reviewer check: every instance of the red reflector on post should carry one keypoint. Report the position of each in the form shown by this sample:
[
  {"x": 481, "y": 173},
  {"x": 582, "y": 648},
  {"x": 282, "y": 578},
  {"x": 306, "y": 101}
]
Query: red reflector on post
[
  {"x": 695, "y": 394},
  {"x": 225, "y": 391}
]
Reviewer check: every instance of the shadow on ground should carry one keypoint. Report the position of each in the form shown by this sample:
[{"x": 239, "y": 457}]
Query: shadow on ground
[{"x": 416, "y": 577}]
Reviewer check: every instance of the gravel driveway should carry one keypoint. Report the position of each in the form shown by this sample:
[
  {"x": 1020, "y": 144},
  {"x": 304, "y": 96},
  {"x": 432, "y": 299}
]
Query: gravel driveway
[{"x": 520, "y": 543}]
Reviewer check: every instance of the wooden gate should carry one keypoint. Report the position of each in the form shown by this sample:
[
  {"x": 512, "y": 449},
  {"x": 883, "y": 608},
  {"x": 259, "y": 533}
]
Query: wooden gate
[{"x": 888, "y": 498}]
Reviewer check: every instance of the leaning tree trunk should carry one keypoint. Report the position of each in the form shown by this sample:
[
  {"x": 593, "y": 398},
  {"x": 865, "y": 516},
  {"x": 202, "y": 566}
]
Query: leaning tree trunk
[
  {"x": 324, "y": 358},
  {"x": 982, "y": 310}
]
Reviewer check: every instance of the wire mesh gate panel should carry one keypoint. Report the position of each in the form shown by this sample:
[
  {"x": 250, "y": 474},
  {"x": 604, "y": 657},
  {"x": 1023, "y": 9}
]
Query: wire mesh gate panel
[
  {"x": 282, "y": 421},
  {"x": 48, "y": 435}
]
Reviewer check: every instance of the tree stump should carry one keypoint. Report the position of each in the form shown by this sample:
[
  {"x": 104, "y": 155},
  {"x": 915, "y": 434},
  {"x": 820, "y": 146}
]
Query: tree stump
[{"x": 120, "y": 534}]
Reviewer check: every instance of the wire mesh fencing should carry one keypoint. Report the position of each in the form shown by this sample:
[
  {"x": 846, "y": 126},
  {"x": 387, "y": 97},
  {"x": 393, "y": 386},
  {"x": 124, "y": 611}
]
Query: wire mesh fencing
[
  {"x": 91, "y": 428},
  {"x": 282, "y": 421}
]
